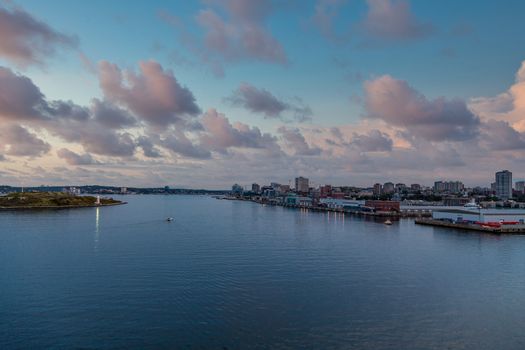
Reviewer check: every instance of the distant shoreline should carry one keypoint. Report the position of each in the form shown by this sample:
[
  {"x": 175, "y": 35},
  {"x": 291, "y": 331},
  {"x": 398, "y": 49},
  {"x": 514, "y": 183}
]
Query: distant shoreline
[{"x": 58, "y": 207}]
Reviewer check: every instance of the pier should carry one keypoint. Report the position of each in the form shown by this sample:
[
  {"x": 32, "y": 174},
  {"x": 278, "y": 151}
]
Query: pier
[
  {"x": 403, "y": 213},
  {"x": 503, "y": 229}
]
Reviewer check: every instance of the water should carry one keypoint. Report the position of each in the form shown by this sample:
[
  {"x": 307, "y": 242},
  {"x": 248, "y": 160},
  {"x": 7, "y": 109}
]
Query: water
[{"x": 238, "y": 275}]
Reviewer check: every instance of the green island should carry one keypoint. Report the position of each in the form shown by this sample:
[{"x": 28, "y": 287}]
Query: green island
[{"x": 51, "y": 200}]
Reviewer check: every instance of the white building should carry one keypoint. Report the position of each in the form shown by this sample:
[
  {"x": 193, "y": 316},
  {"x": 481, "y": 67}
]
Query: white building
[
  {"x": 504, "y": 184},
  {"x": 480, "y": 215},
  {"x": 341, "y": 203},
  {"x": 302, "y": 184}
]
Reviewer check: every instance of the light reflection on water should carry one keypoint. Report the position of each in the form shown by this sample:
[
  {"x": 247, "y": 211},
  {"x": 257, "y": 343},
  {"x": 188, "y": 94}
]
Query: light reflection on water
[
  {"x": 97, "y": 228},
  {"x": 240, "y": 275}
]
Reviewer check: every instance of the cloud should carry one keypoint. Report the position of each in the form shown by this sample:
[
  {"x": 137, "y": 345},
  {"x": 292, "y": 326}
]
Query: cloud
[
  {"x": 20, "y": 99},
  {"x": 95, "y": 139},
  {"x": 25, "y": 40},
  {"x": 73, "y": 158},
  {"x": 500, "y": 136},
  {"x": 16, "y": 140},
  {"x": 177, "y": 142},
  {"x": 261, "y": 101},
  {"x": 154, "y": 94},
  {"x": 220, "y": 134},
  {"x": 398, "y": 104},
  {"x": 232, "y": 31},
  {"x": 509, "y": 106},
  {"x": 110, "y": 115},
  {"x": 373, "y": 141},
  {"x": 392, "y": 20},
  {"x": 244, "y": 35},
  {"x": 325, "y": 14},
  {"x": 294, "y": 139},
  {"x": 66, "y": 109},
  {"x": 148, "y": 148}
]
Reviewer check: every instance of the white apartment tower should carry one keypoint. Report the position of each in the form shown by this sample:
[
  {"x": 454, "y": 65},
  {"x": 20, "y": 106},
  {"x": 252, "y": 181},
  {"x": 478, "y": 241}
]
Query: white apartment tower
[{"x": 504, "y": 184}]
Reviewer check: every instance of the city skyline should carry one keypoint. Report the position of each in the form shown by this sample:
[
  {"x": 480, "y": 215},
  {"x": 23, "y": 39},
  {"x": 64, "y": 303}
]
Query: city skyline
[{"x": 206, "y": 93}]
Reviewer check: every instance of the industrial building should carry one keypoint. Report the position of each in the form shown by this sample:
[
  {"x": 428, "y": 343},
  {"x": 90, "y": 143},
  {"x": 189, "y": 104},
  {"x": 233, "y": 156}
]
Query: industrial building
[{"x": 480, "y": 215}]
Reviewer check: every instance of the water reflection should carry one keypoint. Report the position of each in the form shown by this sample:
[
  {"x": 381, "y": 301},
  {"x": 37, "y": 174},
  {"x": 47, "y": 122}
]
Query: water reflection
[{"x": 97, "y": 227}]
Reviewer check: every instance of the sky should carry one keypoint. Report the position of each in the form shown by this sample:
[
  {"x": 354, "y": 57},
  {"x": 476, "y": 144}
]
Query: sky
[{"x": 204, "y": 94}]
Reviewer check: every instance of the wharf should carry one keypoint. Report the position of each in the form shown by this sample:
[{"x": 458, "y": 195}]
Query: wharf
[
  {"x": 504, "y": 229},
  {"x": 389, "y": 214}
]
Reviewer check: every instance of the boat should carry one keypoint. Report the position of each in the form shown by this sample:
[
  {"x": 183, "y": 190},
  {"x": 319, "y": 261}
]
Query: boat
[
  {"x": 472, "y": 205},
  {"x": 387, "y": 222},
  {"x": 169, "y": 219}
]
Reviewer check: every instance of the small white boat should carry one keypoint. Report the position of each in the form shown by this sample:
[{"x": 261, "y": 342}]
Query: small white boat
[
  {"x": 169, "y": 219},
  {"x": 387, "y": 222},
  {"x": 472, "y": 205}
]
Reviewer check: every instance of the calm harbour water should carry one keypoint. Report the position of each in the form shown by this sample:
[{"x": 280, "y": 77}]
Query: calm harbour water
[{"x": 238, "y": 275}]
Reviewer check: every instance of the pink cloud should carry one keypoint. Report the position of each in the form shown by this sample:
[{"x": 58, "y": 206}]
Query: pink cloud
[
  {"x": 390, "y": 20},
  {"x": 25, "y": 40},
  {"x": 508, "y": 106},
  {"x": 154, "y": 94},
  {"x": 16, "y": 140},
  {"x": 220, "y": 134},
  {"x": 398, "y": 104}
]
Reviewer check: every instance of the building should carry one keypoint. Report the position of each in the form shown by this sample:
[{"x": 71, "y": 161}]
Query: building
[
  {"x": 344, "y": 204},
  {"x": 400, "y": 187},
  {"x": 256, "y": 188},
  {"x": 520, "y": 187},
  {"x": 123, "y": 190},
  {"x": 455, "y": 201},
  {"x": 388, "y": 188},
  {"x": 415, "y": 187},
  {"x": 302, "y": 184},
  {"x": 480, "y": 215},
  {"x": 283, "y": 189},
  {"x": 237, "y": 189},
  {"x": 276, "y": 186},
  {"x": 338, "y": 195},
  {"x": 268, "y": 192},
  {"x": 378, "y": 189},
  {"x": 504, "y": 184},
  {"x": 294, "y": 199},
  {"x": 448, "y": 187},
  {"x": 325, "y": 191},
  {"x": 383, "y": 205}
]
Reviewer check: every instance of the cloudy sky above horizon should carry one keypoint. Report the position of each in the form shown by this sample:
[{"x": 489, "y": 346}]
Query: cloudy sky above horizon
[{"x": 214, "y": 92}]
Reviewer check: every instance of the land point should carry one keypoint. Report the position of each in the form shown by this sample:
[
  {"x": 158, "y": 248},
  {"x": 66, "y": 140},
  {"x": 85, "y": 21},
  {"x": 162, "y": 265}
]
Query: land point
[{"x": 52, "y": 200}]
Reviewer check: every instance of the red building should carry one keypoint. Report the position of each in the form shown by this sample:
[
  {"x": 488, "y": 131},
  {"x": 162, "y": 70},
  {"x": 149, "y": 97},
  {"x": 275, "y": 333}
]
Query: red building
[
  {"x": 325, "y": 191},
  {"x": 384, "y": 205}
]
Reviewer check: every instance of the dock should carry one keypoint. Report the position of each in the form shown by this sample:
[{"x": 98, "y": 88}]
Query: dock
[
  {"x": 504, "y": 229},
  {"x": 380, "y": 214}
]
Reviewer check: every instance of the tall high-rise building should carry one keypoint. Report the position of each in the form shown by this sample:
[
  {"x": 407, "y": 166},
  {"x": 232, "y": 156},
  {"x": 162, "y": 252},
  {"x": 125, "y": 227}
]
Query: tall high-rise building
[
  {"x": 256, "y": 188},
  {"x": 504, "y": 184},
  {"x": 302, "y": 184},
  {"x": 378, "y": 188}
]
